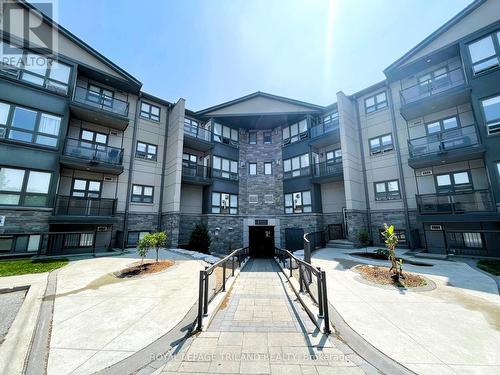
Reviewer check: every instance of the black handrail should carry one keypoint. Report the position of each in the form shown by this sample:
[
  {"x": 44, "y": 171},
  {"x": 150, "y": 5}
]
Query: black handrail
[
  {"x": 193, "y": 170},
  {"x": 84, "y": 206},
  {"x": 238, "y": 256},
  {"x": 444, "y": 141},
  {"x": 306, "y": 272},
  {"x": 433, "y": 86},
  {"x": 92, "y": 151},
  {"x": 458, "y": 202},
  {"x": 327, "y": 168},
  {"x": 85, "y": 96},
  {"x": 324, "y": 127}
]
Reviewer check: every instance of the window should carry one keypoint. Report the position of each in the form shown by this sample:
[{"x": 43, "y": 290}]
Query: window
[
  {"x": 92, "y": 139},
  {"x": 296, "y": 166},
  {"x": 146, "y": 151},
  {"x": 35, "y": 69},
  {"x": 442, "y": 125},
  {"x": 268, "y": 199},
  {"x": 433, "y": 80},
  {"x": 76, "y": 240},
  {"x": 387, "y": 190},
  {"x": 86, "y": 188},
  {"x": 295, "y": 132},
  {"x": 19, "y": 243},
  {"x": 485, "y": 52},
  {"x": 252, "y": 138},
  {"x": 268, "y": 168},
  {"x": 26, "y": 125},
  {"x": 268, "y": 137},
  {"x": 491, "y": 110},
  {"x": 189, "y": 158},
  {"x": 225, "y": 134},
  {"x": 498, "y": 168},
  {"x": 142, "y": 193},
  {"x": 150, "y": 111},
  {"x": 381, "y": 144},
  {"x": 134, "y": 236},
  {"x": 297, "y": 203},
  {"x": 453, "y": 182},
  {"x": 252, "y": 169},
  {"x": 101, "y": 96},
  {"x": 225, "y": 168},
  {"x": 376, "y": 102},
  {"x": 334, "y": 156},
  {"x": 224, "y": 203},
  {"x": 459, "y": 240},
  {"x": 20, "y": 187},
  {"x": 253, "y": 198}
]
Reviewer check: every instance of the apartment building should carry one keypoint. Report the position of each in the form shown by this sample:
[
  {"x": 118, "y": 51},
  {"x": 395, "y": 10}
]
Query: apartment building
[{"x": 89, "y": 162}]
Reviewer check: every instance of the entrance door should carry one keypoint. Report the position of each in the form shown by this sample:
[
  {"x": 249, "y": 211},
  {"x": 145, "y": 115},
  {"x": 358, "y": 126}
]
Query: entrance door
[{"x": 261, "y": 241}]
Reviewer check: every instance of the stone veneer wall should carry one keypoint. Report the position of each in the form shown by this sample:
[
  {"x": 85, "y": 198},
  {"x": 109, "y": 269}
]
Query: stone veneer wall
[
  {"x": 170, "y": 223},
  {"x": 356, "y": 221},
  {"x": 226, "y": 237},
  {"x": 187, "y": 222},
  {"x": 308, "y": 222},
  {"x": 25, "y": 221},
  {"x": 396, "y": 218}
]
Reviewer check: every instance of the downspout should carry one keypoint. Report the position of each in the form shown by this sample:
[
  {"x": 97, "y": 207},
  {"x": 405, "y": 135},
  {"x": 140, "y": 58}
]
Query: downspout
[
  {"x": 363, "y": 166},
  {"x": 130, "y": 173},
  {"x": 400, "y": 164},
  {"x": 164, "y": 158}
]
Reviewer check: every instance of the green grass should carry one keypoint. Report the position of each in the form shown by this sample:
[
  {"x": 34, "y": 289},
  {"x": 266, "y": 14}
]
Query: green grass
[
  {"x": 24, "y": 266},
  {"x": 491, "y": 266}
]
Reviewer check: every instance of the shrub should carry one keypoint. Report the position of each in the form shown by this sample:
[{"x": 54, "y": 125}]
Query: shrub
[
  {"x": 391, "y": 241},
  {"x": 200, "y": 239},
  {"x": 150, "y": 241},
  {"x": 364, "y": 237}
]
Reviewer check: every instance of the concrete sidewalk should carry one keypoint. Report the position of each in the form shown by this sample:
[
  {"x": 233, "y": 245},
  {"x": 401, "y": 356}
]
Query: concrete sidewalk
[
  {"x": 454, "y": 329},
  {"x": 99, "y": 320},
  {"x": 261, "y": 331}
]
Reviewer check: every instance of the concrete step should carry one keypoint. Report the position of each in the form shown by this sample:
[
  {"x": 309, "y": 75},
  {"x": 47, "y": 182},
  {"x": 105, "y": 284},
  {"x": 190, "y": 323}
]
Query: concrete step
[{"x": 340, "y": 244}]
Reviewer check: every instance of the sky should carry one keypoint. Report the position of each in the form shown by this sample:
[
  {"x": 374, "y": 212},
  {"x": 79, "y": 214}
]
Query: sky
[{"x": 212, "y": 51}]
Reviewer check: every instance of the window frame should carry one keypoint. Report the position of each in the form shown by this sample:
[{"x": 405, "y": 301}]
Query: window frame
[
  {"x": 250, "y": 165},
  {"x": 294, "y": 208},
  {"x": 453, "y": 187},
  {"x": 495, "y": 38},
  {"x": 267, "y": 137},
  {"x": 270, "y": 164},
  {"x": 23, "y": 193},
  {"x": 377, "y": 106},
  {"x": 381, "y": 149},
  {"x": 494, "y": 123},
  {"x": 142, "y": 198},
  {"x": 252, "y": 134},
  {"x": 230, "y": 209},
  {"x": 144, "y": 155},
  {"x": 221, "y": 138},
  {"x": 441, "y": 125},
  {"x": 302, "y": 170},
  {"x": 148, "y": 115},
  {"x": 387, "y": 195},
  {"x": 296, "y": 137},
  {"x": 35, "y": 133},
  {"x": 224, "y": 173},
  {"x": 86, "y": 191}
]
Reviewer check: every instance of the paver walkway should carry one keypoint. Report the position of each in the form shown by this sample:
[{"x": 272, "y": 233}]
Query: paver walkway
[{"x": 261, "y": 331}]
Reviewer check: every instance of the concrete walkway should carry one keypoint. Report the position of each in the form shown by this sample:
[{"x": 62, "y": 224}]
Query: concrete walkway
[
  {"x": 99, "y": 320},
  {"x": 454, "y": 329},
  {"x": 260, "y": 330}
]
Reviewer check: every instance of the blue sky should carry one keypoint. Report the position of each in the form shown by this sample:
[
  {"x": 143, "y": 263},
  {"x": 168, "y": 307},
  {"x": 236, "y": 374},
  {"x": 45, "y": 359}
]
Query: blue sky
[{"x": 211, "y": 51}]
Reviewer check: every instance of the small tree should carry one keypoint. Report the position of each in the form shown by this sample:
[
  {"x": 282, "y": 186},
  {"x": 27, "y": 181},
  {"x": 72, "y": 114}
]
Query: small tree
[
  {"x": 158, "y": 240},
  {"x": 200, "y": 239},
  {"x": 143, "y": 246},
  {"x": 363, "y": 238},
  {"x": 391, "y": 241}
]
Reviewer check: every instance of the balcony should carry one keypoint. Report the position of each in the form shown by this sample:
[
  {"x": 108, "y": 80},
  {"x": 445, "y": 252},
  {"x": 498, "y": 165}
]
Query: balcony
[
  {"x": 456, "y": 203},
  {"x": 324, "y": 134},
  {"x": 328, "y": 171},
  {"x": 197, "y": 138},
  {"x": 100, "y": 109},
  {"x": 69, "y": 209},
  {"x": 446, "y": 147},
  {"x": 91, "y": 156},
  {"x": 435, "y": 94},
  {"x": 196, "y": 174}
]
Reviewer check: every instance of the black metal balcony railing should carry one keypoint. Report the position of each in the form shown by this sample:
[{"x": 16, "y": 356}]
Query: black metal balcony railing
[
  {"x": 301, "y": 172},
  {"x": 445, "y": 141},
  {"x": 328, "y": 168},
  {"x": 224, "y": 174},
  {"x": 324, "y": 127},
  {"x": 106, "y": 103},
  {"x": 84, "y": 206},
  {"x": 93, "y": 152},
  {"x": 455, "y": 202},
  {"x": 192, "y": 170},
  {"x": 197, "y": 132},
  {"x": 436, "y": 85}
]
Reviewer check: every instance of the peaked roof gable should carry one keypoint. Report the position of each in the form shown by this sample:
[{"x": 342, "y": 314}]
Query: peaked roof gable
[
  {"x": 462, "y": 24},
  {"x": 259, "y": 103}
]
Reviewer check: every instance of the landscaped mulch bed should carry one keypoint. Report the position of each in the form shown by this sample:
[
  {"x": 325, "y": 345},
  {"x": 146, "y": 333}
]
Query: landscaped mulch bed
[
  {"x": 144, "y": 269},
  {"x": 382, "y": 276}
]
